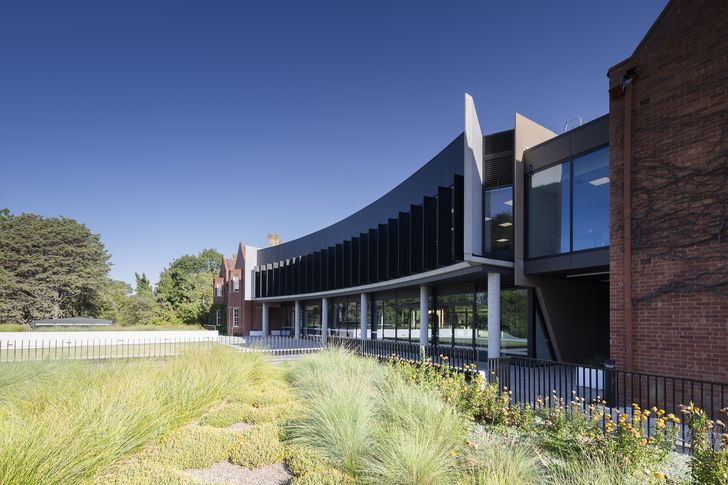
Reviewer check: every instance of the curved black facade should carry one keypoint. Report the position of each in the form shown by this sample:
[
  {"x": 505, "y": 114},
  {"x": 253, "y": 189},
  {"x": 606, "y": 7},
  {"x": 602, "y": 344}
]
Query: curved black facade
[{"x": 417, "y": 226}]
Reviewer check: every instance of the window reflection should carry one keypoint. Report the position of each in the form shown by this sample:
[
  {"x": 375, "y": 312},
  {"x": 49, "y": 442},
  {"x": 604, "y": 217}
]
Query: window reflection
[
  {"x": 548, "y": 211},
  {"x": 498, "y": 224},
  {"x": 591, "y": 200}
]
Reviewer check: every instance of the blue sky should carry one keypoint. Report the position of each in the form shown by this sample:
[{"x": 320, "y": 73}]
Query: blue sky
[{"x": 172, "y": 126}]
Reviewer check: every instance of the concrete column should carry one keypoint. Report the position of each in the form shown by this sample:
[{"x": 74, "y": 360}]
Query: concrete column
[
  {"x": 297, "y": 320},
  {"x": 324, "y": 319},
  {"x": 424, "y": 314},
  {"x": 494, "y": 315},
  {"x": 363, "y": 316},
  {"x": 266, "y": 328}
]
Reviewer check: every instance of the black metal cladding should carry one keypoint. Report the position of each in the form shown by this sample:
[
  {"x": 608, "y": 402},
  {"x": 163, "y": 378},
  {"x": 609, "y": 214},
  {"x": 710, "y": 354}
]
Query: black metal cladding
[
  {"x": 404, "y": 243},
  {"x": 364, "y": 258},
  {"x": 416, "y": 238},
  {"x": 424, "y": 234},
  {"x": 382, "y": 251},
  {"x": 458, "y": 226},
  {"x": 393, "y": 248},
  {"x": 425, "y": 237},
  {"x": 373, "y": 256},
  {"x": 429, "y": 233},
  {"x": 444, "y": 226}
]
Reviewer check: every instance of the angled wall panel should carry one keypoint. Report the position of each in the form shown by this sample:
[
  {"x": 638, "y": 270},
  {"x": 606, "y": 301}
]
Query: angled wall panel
[
  {"x": 393, "y": 249},
  {"x": 373, "y": 248},
  {"x": 429, "y": 233},
  {"x": 444, "y": 226},
  {"x": 404, "y": 243},
  {"x": 458, "y": 218},
  {"x": 382, "y": 251},
  {"x": 364, "y": 258},
  {"x": 354, "y": 261},
  {"x": 416, "y": 238}
]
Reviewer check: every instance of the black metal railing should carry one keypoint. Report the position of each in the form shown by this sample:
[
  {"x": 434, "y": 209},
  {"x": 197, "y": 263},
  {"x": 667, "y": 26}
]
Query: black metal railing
[
  {"x": 530, "y": 381},
  {"x": 278, "y": 345},
  {"x": 451, "y": 356}
]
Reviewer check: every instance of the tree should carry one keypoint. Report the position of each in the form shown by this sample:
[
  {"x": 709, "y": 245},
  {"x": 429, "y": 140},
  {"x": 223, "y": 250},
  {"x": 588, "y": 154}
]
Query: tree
[
  {"x": 113, "y": 298},
  {"x": 49, "y": 268},
  {"x": 186, "y": 285}
]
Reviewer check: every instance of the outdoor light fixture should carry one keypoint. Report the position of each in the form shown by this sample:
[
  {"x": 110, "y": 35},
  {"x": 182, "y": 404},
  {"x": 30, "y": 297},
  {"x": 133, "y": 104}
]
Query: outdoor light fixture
[
  {"x": 501, "y": 240},
  {"x": 487, "y": 218},
  {"x": 599, "y": 181},
  {"x": 505, "y": 224},
  {"x": 509, "y": 202}
]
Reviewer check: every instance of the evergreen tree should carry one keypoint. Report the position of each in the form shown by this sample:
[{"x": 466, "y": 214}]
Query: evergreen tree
[{"x": 49, "y": 268}]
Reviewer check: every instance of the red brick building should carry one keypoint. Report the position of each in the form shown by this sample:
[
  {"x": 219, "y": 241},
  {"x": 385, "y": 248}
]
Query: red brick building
[
  {"x": 668, "y": 125},
  {"x": 234, "y": 312}
]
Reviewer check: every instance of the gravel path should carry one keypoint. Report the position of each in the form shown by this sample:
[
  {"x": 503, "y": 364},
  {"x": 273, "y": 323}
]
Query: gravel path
[{"x": 226, "y": 472}]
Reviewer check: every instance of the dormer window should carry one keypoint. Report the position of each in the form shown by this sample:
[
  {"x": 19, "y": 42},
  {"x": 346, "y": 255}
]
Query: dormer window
[
  {"x": 218, "y": 289},
  {"x": 236, "y": 283}
]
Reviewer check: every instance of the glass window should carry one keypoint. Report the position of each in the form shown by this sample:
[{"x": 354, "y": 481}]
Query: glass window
[
  {"x": 311, "y": 319},
  {"x": 548, "y": 211},
  {"x": 591, "y": 200},
  {"x": 498, "y": 224},
  {"x": 236, "y": 317},
  {"x": 514, "y": 321}
]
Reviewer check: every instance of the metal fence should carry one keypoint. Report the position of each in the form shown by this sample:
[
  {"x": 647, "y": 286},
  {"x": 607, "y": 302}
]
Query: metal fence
[
  {"x": 531, "y": 380},
  {"x": 455, "y": 357},
  {"x": 124, "y": 347}
]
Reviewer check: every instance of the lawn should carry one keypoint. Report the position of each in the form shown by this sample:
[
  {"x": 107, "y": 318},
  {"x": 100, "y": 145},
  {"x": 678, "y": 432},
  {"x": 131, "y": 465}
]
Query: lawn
[{"x": 222, "y": 416}]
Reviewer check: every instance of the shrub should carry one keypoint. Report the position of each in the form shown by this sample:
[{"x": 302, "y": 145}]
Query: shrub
[
  {"x": 193, "y": 447},
  {"x": 707, "y": 465},
  {"x": 310, "y": 467},
  {"x": 235, "y": 412},
  {"x": 256, "y": 447}
]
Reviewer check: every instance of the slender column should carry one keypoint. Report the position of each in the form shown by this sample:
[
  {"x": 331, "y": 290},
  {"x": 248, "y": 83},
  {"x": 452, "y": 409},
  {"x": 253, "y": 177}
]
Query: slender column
[
  {"x": 297, "y": 320},
  {"x": 494, "y": 316},
  {"x": 324, "y": 319},
  {"x": 363, "y": 315},
  {"x": 266, "y": 329},
  {"x": 424, "y": 315}
]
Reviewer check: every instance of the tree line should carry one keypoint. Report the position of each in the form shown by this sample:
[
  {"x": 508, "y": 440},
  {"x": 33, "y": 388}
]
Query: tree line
[{"x": 55, "y": 267}]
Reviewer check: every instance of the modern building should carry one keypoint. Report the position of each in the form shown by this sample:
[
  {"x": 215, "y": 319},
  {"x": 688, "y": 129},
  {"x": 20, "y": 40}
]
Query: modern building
[{"x": 609, "y": 240}]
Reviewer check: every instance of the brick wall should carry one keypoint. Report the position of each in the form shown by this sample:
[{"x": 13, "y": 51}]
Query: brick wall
[{"x": 679, "y": 196}]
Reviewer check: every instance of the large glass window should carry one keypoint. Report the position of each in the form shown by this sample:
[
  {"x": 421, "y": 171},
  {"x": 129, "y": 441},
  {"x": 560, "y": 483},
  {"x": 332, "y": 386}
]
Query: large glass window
[
  {"x": 549, "y": 211},
  {"x": 568, "y": 206},
  {"x": 591, "y": 200},
  {"x": 498, "y": 223}
]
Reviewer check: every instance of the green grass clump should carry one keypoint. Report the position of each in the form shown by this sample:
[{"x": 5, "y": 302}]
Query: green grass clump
[
  {"x": 500, "y": 463},
  {"x": 256, "y": 447},
  {"x": 193, "y": 447},
  {"x": 340, "y": 424},
  {"x": 332, "y": 476},
  {"x": 419, "y": 436},
  {"x": 144, "y": 472},
  {"x": 373, "y": 425},
  {"x": 73, "y": 420}
]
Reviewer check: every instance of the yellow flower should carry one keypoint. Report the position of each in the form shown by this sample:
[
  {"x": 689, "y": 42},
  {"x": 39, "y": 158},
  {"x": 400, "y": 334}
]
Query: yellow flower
[
  {"x": 660, "y": 475},
  {"x": 453, "y": 453}
]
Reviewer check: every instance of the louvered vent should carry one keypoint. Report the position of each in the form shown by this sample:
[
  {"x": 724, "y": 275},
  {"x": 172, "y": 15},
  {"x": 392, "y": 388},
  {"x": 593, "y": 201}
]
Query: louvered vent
[
  {"x": 498, "y": 159},
  {"x": 499, "y": 142}
]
